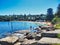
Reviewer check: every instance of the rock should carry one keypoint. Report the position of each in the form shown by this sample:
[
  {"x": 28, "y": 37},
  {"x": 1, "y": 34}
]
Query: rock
[
  {"x": 22, "y": 31},
  {"x": 46, "y": 40},
  {"x": 18, "y": 43},
  {"x": 10, "y": 39},
  {"x": 29, "y": 41}
]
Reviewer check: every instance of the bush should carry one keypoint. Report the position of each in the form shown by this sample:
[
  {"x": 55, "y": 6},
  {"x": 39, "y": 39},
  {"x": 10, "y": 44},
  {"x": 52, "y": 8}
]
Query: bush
[
  {"x": 55, "y": 44},
  {"x": 56, "y": 22},
  {"x": 58, "y": 35},
  {"x": 57, "y": 26}
]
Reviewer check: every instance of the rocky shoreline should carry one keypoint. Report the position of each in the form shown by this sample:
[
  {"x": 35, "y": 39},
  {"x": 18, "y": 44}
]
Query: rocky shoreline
[{"x": 18, "y": 38}]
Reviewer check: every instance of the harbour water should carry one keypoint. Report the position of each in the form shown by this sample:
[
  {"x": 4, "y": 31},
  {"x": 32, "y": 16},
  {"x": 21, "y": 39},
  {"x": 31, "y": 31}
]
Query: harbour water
[{"x": 9, "y": 27}]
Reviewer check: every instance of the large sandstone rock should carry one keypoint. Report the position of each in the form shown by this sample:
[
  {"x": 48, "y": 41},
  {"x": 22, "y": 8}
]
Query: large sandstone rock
[
  {"x": 10, "y": 39},
  {"x": 46, "y": 40}
]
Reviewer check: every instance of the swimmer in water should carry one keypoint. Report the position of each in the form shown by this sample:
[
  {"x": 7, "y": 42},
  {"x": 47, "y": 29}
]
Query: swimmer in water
[{"x": 30, "y": 27}]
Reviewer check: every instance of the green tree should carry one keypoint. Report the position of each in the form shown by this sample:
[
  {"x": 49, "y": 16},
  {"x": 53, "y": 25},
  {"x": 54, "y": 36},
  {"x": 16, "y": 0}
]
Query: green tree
[
  {"x": 50, "y": 15},
  {"x": 56, "y": 19},
  {"x": 58, "y": 11},
  {"x": 24, "y": 17},
  {"x": 57, "y": 16}
]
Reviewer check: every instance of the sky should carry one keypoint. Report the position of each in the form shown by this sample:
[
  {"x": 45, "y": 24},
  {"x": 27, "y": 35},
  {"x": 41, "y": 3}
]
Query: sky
[{"x": 8, "y": 7}]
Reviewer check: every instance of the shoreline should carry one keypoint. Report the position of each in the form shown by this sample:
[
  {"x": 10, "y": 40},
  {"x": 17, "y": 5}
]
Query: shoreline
[
  {"x": 25, "y": 21},
  {"x": 43, "y": 40}
]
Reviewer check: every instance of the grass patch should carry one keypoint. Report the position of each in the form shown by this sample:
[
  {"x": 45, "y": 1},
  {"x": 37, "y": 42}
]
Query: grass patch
[
  {"x": 57, "y": 26},
  {"x": 58, "y": 35},
  {"x": 55, "y": 44}
]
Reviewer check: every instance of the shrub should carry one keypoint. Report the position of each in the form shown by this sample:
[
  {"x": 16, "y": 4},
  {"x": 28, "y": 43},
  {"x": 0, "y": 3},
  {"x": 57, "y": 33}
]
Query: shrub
[
  {"x": 55, "y": 44},
  {"x": 58, "y": 35},
  {"x": 57, "y": 26}
]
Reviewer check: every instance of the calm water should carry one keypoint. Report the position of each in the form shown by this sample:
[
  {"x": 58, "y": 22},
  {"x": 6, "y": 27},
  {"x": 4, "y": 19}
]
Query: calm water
[{"x": 8, "y": 27}]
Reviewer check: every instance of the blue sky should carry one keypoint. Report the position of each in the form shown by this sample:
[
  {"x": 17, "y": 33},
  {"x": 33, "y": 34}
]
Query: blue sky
[{"x": 27, "y": 6}]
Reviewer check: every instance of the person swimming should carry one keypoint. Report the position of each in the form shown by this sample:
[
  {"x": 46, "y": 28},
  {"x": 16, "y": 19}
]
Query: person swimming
[{"x": 30, "y": 27}]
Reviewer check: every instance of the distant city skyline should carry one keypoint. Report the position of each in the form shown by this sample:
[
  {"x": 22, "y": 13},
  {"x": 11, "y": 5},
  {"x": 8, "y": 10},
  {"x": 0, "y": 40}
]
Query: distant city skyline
[{"x": 27, "y": 6}]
